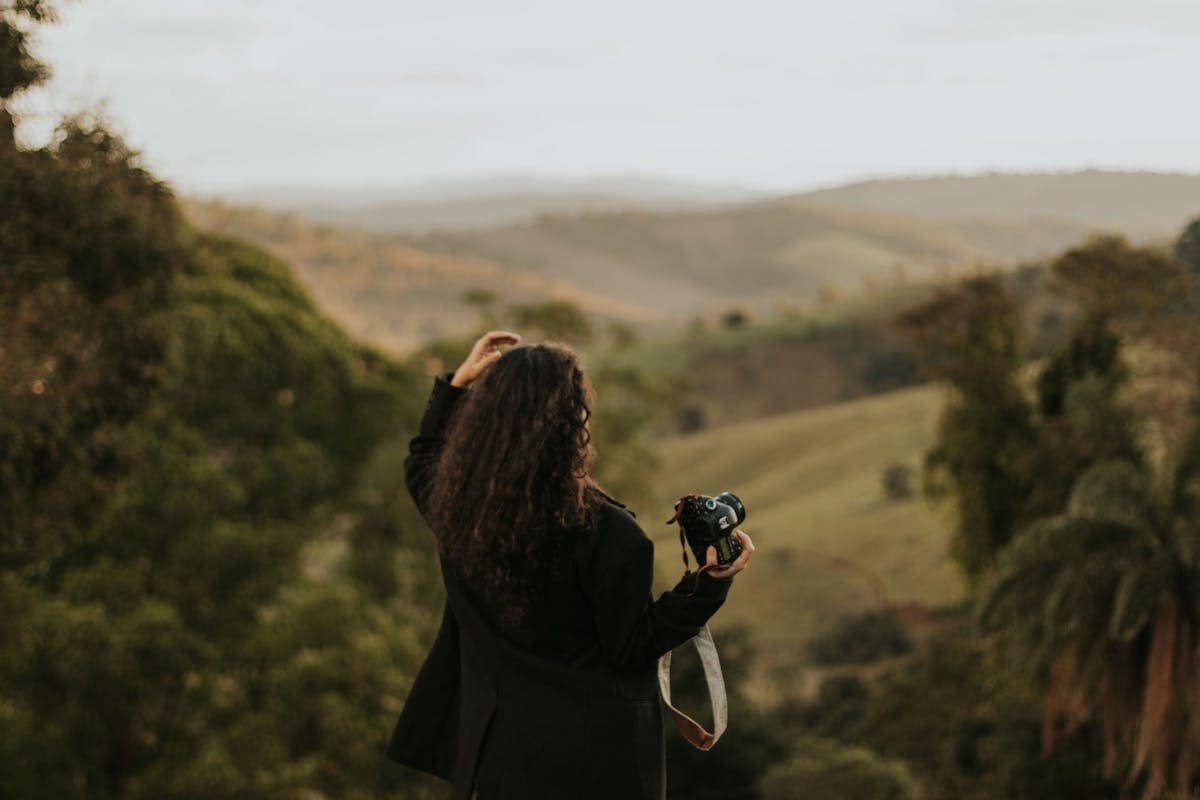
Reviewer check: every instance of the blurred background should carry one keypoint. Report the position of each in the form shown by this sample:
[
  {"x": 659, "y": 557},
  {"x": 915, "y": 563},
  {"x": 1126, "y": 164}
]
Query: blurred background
[{"x": 919, "y": 282}]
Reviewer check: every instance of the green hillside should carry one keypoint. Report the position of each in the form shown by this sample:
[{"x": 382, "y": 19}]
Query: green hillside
[{"x": 826, "y": 535}]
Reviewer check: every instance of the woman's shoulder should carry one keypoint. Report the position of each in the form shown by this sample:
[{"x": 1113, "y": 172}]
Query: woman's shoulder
[{"x": 616, "y": 533}]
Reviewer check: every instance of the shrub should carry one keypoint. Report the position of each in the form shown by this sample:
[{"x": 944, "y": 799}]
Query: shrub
[
  {"x": 825, "y": 769},
  {"x": 860, "y": 639}
]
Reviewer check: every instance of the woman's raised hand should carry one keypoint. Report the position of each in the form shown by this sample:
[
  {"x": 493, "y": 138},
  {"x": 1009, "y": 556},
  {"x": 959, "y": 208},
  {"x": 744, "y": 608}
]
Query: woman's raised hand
[
  {"x": 735, "y": 566},
  {"x": 485, "y": 351}
]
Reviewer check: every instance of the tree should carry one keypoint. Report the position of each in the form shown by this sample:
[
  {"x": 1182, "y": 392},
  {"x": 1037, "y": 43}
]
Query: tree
[
  {"x": 484, "y": 302},
  {"x": 201, "y": 594},
  {"x": 860, "y": 639},
  {"x": 1187, "y": 246},
  {"x": 19, "y": 70},
  {"x": 967, "y": 335},
  {"x": 735, "y": 318},
  {"x": 1099, "y": 603},
  {"x": 821, "y": 768},
  {"x": 1110, "y": 278},
  {"x": 555, "y": 319}
]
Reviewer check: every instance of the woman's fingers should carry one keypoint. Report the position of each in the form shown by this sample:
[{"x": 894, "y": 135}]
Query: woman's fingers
[
  {"x": 485, "y": 351},
  {"x": 502, "y": 337},
  {"x": 493, "y": 339},
  {"x": 739, "y": 563}
]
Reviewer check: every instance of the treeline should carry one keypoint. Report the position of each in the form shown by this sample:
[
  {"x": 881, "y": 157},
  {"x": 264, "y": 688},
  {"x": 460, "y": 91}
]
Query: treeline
[
  {"x": 212, "y": 583},
  {"x": 1072, "y": 669}
]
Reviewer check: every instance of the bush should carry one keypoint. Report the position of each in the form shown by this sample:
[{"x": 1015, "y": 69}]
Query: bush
[
  {"x": 735, "y": 318},
  {"x": 897, "y": 482},
  {"x": 860, "y": 639},
  {"x": 826, "y": 769}
]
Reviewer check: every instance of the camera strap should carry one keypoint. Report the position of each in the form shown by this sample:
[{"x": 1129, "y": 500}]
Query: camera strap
[{"x": 693, "y": 731}]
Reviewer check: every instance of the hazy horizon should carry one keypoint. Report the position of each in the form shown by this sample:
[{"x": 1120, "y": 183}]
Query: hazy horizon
[{"x": 228, "y": 95}]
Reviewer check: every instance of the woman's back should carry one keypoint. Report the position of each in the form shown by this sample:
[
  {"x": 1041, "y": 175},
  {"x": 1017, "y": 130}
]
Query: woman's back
[{"x": 560, "y": 699}]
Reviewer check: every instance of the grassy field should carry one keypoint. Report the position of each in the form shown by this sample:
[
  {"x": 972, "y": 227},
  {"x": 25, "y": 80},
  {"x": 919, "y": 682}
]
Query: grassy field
[{"x": 828, "y": 540}]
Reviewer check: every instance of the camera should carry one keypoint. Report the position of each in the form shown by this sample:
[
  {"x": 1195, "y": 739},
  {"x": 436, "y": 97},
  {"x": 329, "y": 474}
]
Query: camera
[{"x": 706, "y": 521}]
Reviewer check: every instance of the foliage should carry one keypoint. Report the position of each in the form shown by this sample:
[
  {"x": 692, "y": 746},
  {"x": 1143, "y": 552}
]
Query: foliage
[
  {"x": 1090, "y": 588},
  {"x": 18, "y": 68},
  {"x": 897, "y": 482},
  {"x": 860, "y": 639},
  {"x": 821, "y": 768},
  {"x": 1099, "y": 603},
  {"x": 202, "y": 594},
  {"x": 1187, "y": 246},
  {"x": 962, "y": 727},
  {"x": 629, "y": 402},
  {"x": 967, "y": 335},
  {"x": 735, "y": 318},
  {"x": 555, "y": 319},
  {"x": 1108, "y": 277}
]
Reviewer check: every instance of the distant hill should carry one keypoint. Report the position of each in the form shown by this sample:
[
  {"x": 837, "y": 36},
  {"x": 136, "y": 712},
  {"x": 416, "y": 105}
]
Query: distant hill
[
  {"x": 392, "y": 294},
  {"x": 475, "y": 204},
  {"x": 1139, "y": 202},
  {"x": 658, "y": 270},
  {"x": 653, "y": 270},
  {"x": 756, "y": 256}
]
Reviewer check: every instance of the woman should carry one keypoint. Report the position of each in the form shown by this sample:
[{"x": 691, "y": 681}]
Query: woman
[{"x": 542, "y": 680}]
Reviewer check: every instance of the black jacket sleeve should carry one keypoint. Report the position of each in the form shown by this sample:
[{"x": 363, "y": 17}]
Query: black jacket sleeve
[
  {"x": 634, "y": 630},
  {"x": 425, "y": 447}
]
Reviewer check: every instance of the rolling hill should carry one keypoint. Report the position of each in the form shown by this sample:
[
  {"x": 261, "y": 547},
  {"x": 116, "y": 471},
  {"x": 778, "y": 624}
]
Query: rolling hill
[
  {"x": 477, "y": 204},
  {"x": 1139, "y": 202},
  {"x": 392, "y": 294},
  {"x": 657, "y": 270},
  {"x": 828, "y": 540},
  {"x": 758, "y": 255}
]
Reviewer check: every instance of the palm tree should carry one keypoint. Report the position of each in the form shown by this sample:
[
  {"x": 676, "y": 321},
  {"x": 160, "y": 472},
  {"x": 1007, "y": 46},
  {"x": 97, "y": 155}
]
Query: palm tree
[{"x": 1101, "y": 604}]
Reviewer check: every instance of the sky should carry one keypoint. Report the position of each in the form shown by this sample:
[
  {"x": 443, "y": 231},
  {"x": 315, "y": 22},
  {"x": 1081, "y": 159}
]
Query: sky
[{"x": 782, "y": 94}]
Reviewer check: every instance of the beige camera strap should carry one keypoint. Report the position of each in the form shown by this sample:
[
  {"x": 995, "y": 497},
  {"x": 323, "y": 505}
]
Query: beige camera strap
[{"x": 693, "y": 731}]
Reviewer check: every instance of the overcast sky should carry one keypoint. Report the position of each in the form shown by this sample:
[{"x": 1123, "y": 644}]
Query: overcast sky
[{"x": 780, "y": 94}]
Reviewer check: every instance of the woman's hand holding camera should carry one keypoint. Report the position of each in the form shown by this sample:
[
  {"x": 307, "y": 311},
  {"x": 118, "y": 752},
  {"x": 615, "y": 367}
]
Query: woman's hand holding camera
[
  {"x": 735, "y": 566},
  {"x": 485, "y": 351}
]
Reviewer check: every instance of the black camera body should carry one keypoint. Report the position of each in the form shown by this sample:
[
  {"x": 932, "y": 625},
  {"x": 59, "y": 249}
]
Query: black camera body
[{"x": 710, "y": 521}]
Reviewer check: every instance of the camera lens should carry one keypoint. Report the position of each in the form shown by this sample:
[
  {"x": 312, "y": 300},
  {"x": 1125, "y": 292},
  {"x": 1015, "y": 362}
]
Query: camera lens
[{"x": 730, "y": 499}]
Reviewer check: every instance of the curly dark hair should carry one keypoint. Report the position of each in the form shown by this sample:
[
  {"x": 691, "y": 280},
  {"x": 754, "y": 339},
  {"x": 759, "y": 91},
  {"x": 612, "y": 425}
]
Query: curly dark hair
[{"x": 512, "y": 479}]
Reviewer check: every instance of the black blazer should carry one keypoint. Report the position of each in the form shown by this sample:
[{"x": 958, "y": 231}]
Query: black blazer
[{"x": 567, "y": 706}]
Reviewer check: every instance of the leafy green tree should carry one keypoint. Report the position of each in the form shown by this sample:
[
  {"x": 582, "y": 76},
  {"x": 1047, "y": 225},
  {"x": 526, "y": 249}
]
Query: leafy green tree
[
  {"x": 860, "y": 639},
  {"x": 1187, "y": 246},
  {"x": 201, "y": 592},
  {"x": 629, "y": 403},
  {"x": 555, "y": 319},
  {"x": 1099, "y": 603},
  {"x": 1109, "y": 277},
  {"x": 821, "y": 768},
  {"x": 1083, "y": 419},
  {"x": 967, "y": 335},
  {"x": 959, "y": 722}
]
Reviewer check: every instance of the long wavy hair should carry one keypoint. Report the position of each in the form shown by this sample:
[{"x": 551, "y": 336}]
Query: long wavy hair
[{"x": 512, "y": 479}]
